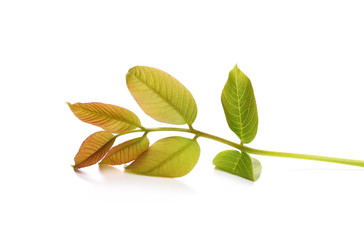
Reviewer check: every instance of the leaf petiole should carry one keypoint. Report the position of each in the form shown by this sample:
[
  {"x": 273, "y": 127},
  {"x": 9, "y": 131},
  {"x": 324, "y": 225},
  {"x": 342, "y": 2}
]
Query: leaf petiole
[{"x": 241, "y": 147}]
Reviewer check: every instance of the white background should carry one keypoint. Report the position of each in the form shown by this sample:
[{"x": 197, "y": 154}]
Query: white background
[{"x": 304, "y": 58}]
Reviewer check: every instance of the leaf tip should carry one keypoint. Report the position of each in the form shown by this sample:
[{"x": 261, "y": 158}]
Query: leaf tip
[
  {"x": 131, "y": 71},
  {"x": 76, "y": 167},
  {"x": 236, "y": 69}
]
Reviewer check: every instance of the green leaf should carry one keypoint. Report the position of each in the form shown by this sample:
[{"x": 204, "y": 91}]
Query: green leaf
[
  {"x": 93, "y": 149},
  {"x": 126, "y": 152},
  {"x": 168, "y": 157},
  {"x": 161, "y": 96},
  {"x": 238, "y": 163},
  {"x": 239, "y": 105},
  {"x": 111, "y": 118}
]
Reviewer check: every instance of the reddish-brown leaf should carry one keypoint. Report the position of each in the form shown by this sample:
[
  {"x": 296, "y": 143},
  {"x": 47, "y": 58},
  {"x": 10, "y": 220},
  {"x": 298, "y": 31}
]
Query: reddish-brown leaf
[
  {"x": 111, "y": 118},
  {"x": 93, "y": 149}
]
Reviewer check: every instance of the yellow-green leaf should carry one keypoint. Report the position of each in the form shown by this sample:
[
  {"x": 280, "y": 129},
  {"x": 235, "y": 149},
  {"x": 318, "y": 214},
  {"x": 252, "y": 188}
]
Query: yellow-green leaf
[
  {"x": 161, "y": 96},
  {"x": 168, "y": 157},
  {"x": 107, "y": 116},
  {"x": 238, "y": 163},
  {"x": 93, "y": 149},
  {"x": 126, "y": 152},
  {"x": 239, "y": 105}
]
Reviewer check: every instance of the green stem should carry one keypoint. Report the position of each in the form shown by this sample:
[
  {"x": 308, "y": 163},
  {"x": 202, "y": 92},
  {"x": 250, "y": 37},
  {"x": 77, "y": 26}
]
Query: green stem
[
  {"x": 346, "y": 161},
  {"x": 252, "y": 150}
]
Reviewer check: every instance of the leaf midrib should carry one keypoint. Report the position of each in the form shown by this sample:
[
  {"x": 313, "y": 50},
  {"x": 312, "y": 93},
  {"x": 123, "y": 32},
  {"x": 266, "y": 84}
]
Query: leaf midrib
[
  {"x": 111, "y": 117},
  {"x": 97, "y": 152},
  {"x": 170, "y": 157},
  {"x": 125, "y": 145},
  {"x": 158, "y": 94},
  {"x": 248, "y": 172},
  {"x": 237, "y": 162},
  {"x": 238, "y": 100},
  {"x": 244, "y": 136}
]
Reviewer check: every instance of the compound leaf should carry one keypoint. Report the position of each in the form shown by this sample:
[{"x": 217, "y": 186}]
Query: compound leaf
[
  {"x": 107, "y": 116},
  {"x": 238, "y": 163},
  {"x": 126, "y": 152},
  {"x": 239, "y": 105},
  {"x": 93, "y": 149},
  {"x": 161, "y": 96},
  {"x": 168, "y": 157}
]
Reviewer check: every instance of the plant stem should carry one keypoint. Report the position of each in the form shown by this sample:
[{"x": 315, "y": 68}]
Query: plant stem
[
  {"x": 241, "y": 147},
  {"x": 346, "y": 161}
]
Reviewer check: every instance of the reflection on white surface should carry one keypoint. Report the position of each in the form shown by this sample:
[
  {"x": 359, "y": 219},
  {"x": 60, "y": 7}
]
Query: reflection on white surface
[
  {"x": 113, "y": 176},
  {"x": 231, "y": 177}
]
